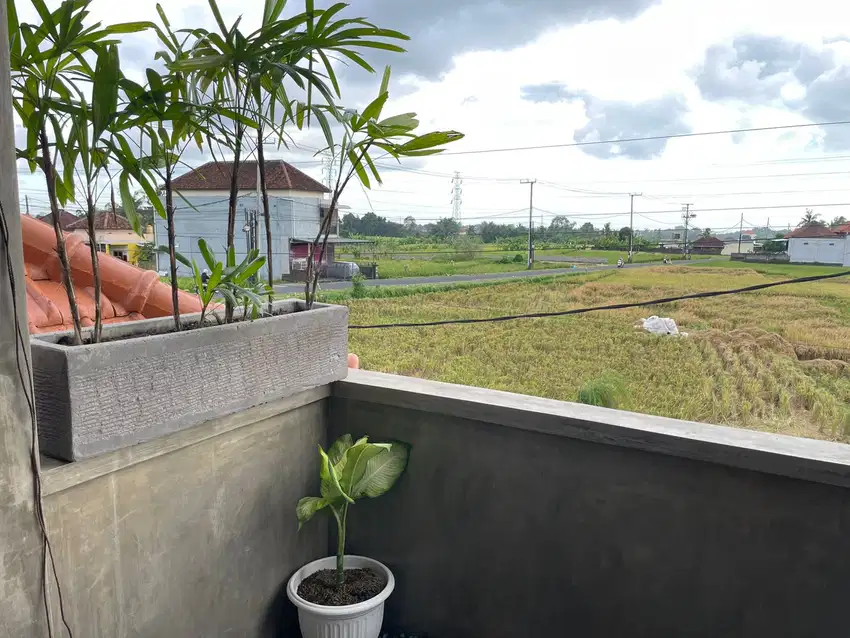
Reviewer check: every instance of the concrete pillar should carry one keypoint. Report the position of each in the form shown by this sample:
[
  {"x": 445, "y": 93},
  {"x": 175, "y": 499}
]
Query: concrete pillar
[{"x": 21, "y": 610}]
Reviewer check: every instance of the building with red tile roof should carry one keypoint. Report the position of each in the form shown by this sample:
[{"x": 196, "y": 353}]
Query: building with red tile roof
[
  {"x": 65, "y": 219},
  {"x": 280, "y": 176},
  {"x": 811, "y": 230}
]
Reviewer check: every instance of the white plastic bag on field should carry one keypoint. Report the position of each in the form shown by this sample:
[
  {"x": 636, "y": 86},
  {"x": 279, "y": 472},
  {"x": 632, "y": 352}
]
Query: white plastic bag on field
[{"x": 662, "y": 326}]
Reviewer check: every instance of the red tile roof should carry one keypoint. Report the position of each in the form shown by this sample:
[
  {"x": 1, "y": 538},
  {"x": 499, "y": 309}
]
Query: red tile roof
[
  {"x": 65, "y": 219},
  {"x": 279, "y": 176},
  {"x": 127, "y": 292},
  {"x": 709, "y": 242},
  {"x": 843, "y": 229},
  {"x": 106, "y": 220},
  {"x": 811, "y": 231}
]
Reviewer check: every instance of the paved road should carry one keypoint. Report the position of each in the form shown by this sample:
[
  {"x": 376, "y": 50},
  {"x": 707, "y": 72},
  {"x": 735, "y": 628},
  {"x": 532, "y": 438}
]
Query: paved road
[{"x": 452, "y": 279}]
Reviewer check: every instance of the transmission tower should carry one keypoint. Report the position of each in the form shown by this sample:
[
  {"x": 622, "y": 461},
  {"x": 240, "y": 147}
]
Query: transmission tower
[
  {"x": 328, "y": 170},
  {"x": 457, "y": 197}
]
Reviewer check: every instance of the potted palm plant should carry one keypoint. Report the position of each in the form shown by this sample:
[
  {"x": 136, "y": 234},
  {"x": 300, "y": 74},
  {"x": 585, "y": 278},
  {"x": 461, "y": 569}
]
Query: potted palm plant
[
  {"x": 344, "y": 595},
  {"x": 147, "y": 378}
]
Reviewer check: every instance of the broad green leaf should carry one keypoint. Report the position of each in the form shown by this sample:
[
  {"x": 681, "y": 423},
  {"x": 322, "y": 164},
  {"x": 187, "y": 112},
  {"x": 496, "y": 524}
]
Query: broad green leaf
[
  {"x": 105, "y": 89},
  {"x": 206, "y": 253},
  {"x": 129, "y": 204},
  {"x": 307, "y": 508},
  {"x": 196, "y": 272},
  {"x": 215, "y": 277},
  {"x": 382, "y": 471},
  {"x": 331, "y": 489},
  {"x": 357, "y": 165},
  {"x": 406, "y": 121},
  {"x": 356, "y": 463},
  {"x": 338, "y": 449},
  {"x": 373, "y": 111},
  {"x": 430, "y": 140}
]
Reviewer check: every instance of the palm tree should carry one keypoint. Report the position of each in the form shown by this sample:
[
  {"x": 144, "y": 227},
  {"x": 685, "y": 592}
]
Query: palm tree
[
  {"x": 170, "y": 123},
  {"x": 247, "y": 73},
  {"x": 811, "y": 218}
]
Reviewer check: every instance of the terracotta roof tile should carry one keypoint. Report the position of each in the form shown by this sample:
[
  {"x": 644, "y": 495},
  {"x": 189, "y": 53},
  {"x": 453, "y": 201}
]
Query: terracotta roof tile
[
  {"x": 811, "y": 231},
  {"x": 279, "y": 176},
  {"x": 128, "y": 293},
  {"x": 65, "y": 219},
  {"x": 105, "y": 220}
]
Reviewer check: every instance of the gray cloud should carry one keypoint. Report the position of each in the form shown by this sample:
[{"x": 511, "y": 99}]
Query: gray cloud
[
  {"x": 755, "y": 68},
  {"x": 442, "y": 29},
  {"x": 550, "y": 92},
  {"x": 614, "y": 119}
]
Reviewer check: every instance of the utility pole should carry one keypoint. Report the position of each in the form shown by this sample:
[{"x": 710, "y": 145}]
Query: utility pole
[
  {"x": 740, "y": 232},
  {"x": 27, "y": 200},
  {"x": 457, "y": 197},
  {"x": 687, "y": 215},
  {"x": 632, "y": 222},
  {"x": 531, "y": 183}
]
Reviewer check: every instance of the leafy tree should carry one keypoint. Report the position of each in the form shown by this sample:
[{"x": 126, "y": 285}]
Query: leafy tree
[
  {"x": 606, "y": 229},
  {"x": 624, "y": 233},
  {"x": 410, "y": 226},
  {"x": 706, "y": 233},
  {"x": 838, "y": 221},
  {"x": 588, "y": 229},
  {"x": 560, "y": 223},
  {"x": 446, "y": 228}
]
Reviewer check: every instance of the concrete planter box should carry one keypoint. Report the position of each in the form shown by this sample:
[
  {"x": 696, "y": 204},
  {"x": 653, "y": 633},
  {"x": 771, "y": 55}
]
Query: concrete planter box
[{"x": 97, "y": 398}]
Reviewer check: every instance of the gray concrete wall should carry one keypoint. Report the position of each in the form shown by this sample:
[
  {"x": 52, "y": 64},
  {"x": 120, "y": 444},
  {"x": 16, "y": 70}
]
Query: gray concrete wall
[
  {"x": 521, "y": 516},
  {"x": 21, "y": 611},
  {"x": 194, "y": 534}
]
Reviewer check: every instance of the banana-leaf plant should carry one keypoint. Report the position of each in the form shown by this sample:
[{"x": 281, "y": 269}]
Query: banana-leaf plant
[
  {"x": 363, "y": 134},
  {"x": 47, "y": 60},
  {"x": 352, "y": 470},
  {"x": 232, "y": 282}
]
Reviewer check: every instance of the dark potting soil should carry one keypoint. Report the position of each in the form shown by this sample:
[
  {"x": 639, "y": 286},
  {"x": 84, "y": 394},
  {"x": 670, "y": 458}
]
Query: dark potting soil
[
  {"x": 360, "y": 585},
  {"x": 209, "y": 321}
]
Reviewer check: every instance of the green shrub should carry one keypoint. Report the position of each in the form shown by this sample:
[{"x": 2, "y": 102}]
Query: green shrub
[
  {"x": 518, "y": 259},
  {"x": 607, "y": 391},
  {"x": 358, "y": 286}
]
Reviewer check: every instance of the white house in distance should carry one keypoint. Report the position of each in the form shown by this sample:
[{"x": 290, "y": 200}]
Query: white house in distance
[
  {"x": 297, "y": 205},
  {"x": 817, "y": 244}
]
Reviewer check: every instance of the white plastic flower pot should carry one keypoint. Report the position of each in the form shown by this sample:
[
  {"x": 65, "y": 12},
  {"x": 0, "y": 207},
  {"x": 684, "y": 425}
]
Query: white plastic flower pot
[{"x": 362, "y": 620}]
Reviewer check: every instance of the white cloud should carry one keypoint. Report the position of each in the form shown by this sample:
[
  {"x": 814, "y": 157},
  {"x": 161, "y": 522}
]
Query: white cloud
[{"x": 618, "y": 60}]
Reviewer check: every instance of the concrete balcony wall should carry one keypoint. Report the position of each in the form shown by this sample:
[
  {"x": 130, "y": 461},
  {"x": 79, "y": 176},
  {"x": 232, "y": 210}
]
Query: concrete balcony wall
[
  {"x": 193, "y": 534},
  {"x": 521, "y": 516}
]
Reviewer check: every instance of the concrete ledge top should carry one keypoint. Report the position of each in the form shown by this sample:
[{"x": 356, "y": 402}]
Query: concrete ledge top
[
  {"x": 58, "y": 475},
  {"x": 806, "y": 459}
]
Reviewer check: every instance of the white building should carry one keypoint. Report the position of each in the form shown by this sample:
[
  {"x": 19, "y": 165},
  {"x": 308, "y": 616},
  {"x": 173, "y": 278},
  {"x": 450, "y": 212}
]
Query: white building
[
  {"x": 297, "y": 204},
  {"x": 816, "y": 244}
]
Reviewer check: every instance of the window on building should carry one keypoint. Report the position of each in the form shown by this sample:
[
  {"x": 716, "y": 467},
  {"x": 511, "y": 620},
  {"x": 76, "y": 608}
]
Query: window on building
[{"x": 101, "y": 248}]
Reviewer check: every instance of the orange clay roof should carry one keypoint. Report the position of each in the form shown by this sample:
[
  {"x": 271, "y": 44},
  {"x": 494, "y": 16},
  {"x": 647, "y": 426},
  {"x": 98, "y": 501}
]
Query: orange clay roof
[{"x": 128, "y": 293}]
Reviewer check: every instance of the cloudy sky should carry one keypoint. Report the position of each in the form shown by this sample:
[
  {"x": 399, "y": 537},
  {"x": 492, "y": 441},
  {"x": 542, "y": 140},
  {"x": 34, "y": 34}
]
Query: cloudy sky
[{"x": 547, "y": 72}]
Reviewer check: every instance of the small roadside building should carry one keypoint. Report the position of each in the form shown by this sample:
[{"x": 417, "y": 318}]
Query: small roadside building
[
  {"x": 708, "y": 246},
  {"x": 115, "y": 235},
  {"x": 818, "y": 244}
]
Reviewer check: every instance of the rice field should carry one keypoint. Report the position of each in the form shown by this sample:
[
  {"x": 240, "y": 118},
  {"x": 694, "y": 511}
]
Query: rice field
[{"x": 775, "y": 360}]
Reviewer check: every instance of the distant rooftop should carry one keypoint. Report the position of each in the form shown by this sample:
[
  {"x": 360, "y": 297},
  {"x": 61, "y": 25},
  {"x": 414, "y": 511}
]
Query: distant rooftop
[{"x": 280, "y": 175}]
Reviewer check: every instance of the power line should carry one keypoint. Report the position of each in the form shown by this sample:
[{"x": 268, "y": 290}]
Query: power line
[
  {"x": 647, "y": 138},
  {"x": 620, "y": 306}
]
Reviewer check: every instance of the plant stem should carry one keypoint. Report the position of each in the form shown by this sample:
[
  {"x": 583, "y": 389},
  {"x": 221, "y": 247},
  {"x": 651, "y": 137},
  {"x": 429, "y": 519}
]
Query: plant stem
[
  {"x": 172, "y": 240},
  {"x": 261, "y": 163},
  {"x": 95, "y": 265},
  {"x": 340, "y": 547},
  {"x": 49, "y": 173}
]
